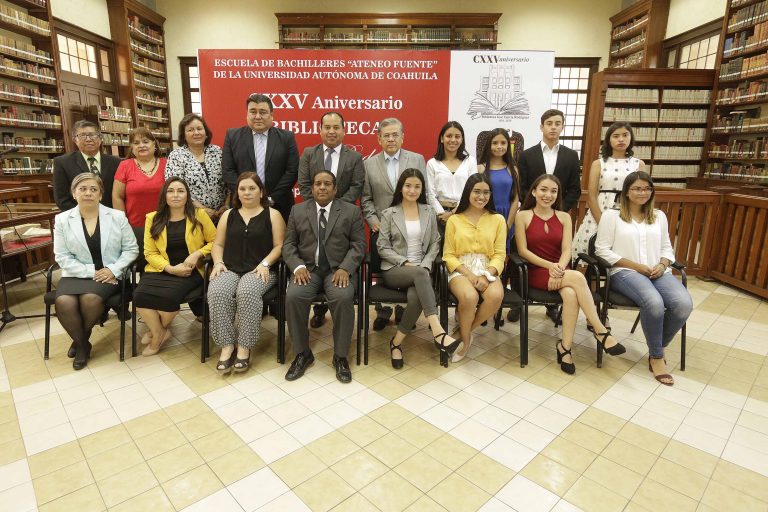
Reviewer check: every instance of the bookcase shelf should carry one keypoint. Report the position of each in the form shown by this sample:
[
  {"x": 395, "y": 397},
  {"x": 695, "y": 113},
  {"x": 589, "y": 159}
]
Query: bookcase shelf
[{"x": 637, "y": 33}]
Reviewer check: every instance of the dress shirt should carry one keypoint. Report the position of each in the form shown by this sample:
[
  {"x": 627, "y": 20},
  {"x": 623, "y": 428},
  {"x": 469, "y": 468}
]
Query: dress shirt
[
  {"x": 260, "y": 158},
  {"x": 334, "y": 158},
  {"x": 97, "y": 156},
  {"x": 392, "y": 162},
  {"x": 550, "y": 156},
  {"x": 488, "y": 236},
  {"x": 447, "y": 185},
  {"x": 327, "y": 209}
]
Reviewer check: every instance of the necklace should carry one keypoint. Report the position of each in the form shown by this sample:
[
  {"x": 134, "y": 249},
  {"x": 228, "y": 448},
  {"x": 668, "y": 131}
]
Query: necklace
[{"x": 149, "y": 172}]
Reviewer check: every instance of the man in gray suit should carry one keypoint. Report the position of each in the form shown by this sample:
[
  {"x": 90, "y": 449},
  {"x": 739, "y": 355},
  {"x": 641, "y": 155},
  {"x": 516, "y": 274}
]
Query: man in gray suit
[
  {"x": 324, "y": 246},
  {"x": 345, "y": 164},
  {"x": 382, "y": 171}
]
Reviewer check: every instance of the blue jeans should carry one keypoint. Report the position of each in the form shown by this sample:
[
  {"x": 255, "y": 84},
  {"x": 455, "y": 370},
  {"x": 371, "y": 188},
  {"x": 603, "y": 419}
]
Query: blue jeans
[{"x": 665, "y": 305}]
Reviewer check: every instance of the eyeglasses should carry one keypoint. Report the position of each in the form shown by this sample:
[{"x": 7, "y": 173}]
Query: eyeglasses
[
  {"x": 483, "y": 193},
  {"x": 87, "y": 136},
  {"x": 391, "y": 136},
  {"x": 641, "y": 190}
]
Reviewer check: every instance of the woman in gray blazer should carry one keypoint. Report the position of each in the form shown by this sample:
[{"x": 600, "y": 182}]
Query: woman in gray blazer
[
  {"x": 93, "y": 245},
  {"x": 408, "y": 245}
]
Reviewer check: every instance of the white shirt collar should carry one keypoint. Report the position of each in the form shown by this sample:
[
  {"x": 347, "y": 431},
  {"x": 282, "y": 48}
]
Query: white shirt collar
[
  {"x": 545, "y": 147},
  {"x": 97, "y": 156},
  {"x": 326, "y": 207},
  {"x": 337, "y": 149},
  {"x": 396, "y": 156}
]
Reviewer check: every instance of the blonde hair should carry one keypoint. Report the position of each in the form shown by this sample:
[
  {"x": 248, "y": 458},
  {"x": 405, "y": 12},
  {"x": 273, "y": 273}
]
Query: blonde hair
[{"x": 84, "y": 176}]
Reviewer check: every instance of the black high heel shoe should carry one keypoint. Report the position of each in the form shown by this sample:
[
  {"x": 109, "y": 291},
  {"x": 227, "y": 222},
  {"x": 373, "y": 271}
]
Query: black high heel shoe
[
  {"x": 446, "y": 351},
  {"x": 615, "y": 350},
  {"x": 396, "y": 363},
  {"x": 82, "y": 353},
  {"x": 568, "y": 368}
]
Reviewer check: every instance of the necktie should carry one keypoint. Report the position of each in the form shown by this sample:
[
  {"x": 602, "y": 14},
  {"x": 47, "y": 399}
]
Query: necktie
[
  {"x": 392, "y": 171},
  {"x": 92, "y": 165},
  {"x": 329, "y": 160},
  {"x": 260, "y": 154},
  {"x": 322, "y": 260}
]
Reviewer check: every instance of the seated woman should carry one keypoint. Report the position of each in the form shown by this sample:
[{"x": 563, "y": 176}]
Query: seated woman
[
  {"x": 543, "y": 236},
  {"x": 408, "y": 244},
  {"x": 93, "y": 245},
  {"x": 177, "y": 237},
  {"x": 248, "y": 245},
  {"x": 474, "y": 253},
  {"x": 635, "y": 240}
]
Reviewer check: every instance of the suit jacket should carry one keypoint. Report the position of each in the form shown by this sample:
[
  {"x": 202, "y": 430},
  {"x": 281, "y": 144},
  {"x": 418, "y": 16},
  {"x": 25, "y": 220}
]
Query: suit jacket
[
  {"x": 349, "y": 176},
  {"x": 344, "y": 237},
  {"x": 378, "y": 190},
  {"x": 66, "y": 167},
  {"x": 393, "y": 237},
  {"x": 156, "y": 251},
  {"x": 567, "y": 170},
  {"x": 281, "y": 163},
  {"x": 118, "y": 243}
]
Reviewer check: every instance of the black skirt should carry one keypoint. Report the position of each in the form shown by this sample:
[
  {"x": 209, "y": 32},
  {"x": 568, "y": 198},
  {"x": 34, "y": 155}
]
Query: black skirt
[
  {"x": 163, "y": 291},
  {"x": 83, "y": 285}
]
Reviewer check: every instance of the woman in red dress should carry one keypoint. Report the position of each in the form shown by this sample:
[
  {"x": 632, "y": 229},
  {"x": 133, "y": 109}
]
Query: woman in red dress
[{"x": 543, "y": 235}]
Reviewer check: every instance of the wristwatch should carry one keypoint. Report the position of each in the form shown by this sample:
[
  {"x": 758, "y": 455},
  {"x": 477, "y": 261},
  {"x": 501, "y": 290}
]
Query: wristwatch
[{"x": 265, "y": 263}]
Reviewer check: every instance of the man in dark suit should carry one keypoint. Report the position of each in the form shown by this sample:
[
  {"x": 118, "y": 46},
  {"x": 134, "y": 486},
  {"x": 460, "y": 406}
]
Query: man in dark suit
[
  {"x": 323, "y": 248},
  {"x": 344, "y": 163},
  {"x": 87, "y": 158},
  {"x": 269, "y": 151},
  {"x": 551, "y": 157}
]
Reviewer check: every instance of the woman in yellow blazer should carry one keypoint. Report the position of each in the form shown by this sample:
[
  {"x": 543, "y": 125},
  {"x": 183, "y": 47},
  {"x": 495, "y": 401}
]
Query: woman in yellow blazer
[{"x": 177, "y": 237}]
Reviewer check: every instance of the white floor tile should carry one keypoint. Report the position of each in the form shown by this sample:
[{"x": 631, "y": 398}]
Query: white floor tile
[
  {"x": 74, "y": 379},
  {"x": 221, "y": 397},
  {"x": 476, "y": 369},
  {"x": 252, "y": 385},
  {"x": 708, "y": 423},
  {"x": 458, "y": 379},
  {"x": 37, "y": 405},
  {"x": 236, "y": 411},
  {"x": 677, "y": 396},
  {"x": 268, "y": 398},
  {"x": 173, "y": 395},
  {"x": 20, "y": 498},
  {"x": 753, "y": 421},
  {"x": 286, "y": 502},
  {"x": 564, "y": 405},
  {"x": 117, "y": 381},
  {"x": 254, "y": 427},
  {"x": 257, "y": 489},
  {"x": 220, "y": 501},
  {"x": 309, "y": 429},
  {"x": 88, "y": 425},
  {"x": 515, "y": 404},
  {"x": 503, "y": 380},
  {"x": 495, "y": 418},
  {"x": 438, "y": 390},
  {"x": 750, "y": 438},
  {"x": 717, "y": 409},
  {"x": 475, "y": 434},
  {"x": 274, "y": 446},
  {"x": 443, "y": 417},
  {"x": 130, "y": 410},
  {"x": 416, "y": 402},
  {"x": 87, "y": 407},
  {"x": 523, "y": 494},
  {"x": 32, "y": 424},
  {"x": 532, "y": 392},
  {"x": 530, "y": 435},
  {"x": 49, "y": 438},
  {"x": 485, "y": 391},
  {"x": 465, "y": 403},
  {"x": 342, "y": 390},
  {"x": 746, "y": 457},
  {"x": 366, "y": 401},
  {"x": 564, "y": 506},
  {"x": 13, "y": 474},
  {"x": 724, "y": 396},
  {"x": 297, "y": 387},
  {"x": 616, "y": 406},
  {"x": 656, "y": 422},
  {"x": 510, "y": 453},
  {"x": 756, "y": 406},
  {"x": 288, "y": 412},
  {"x": 318, "y": 399},
  {"x": 495, "y": 505},
  {"x": 339, "y": 414},
  {"x": 705, "y": 441}
]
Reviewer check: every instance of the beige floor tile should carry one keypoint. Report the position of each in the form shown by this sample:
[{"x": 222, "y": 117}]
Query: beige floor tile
[
  {"x": 450, "y": 452},
  {"x": 723, "y": 497},
  {"x": 87, "y": 499},
  {"x": 458, "y": 494},
  {"x": 174, "y": 463},
  {"x": 191, "y": 487},
  {"x": 391, "y": 389},
  {"x": 589, "y": 495},
  {"x": 363, "y": 431},
  {"x": 370, "y": 376},
  {"x": 201, "y": 425},
  {"x": 236, "y": 465},
  {"x": 147, "y": 424},
  {"x": 642, "y": 437},
  {"x": 602, "y": 421},
  {"x": 360, "y": 469},
  {"x": 391, "y": 416},
  {"x": 549, "y": 474},
  {"x": 425, "y": 504},
  {"x": 11, "y": 451},
  {"x": 690, "y": 457},
  {"x": 54, "y": 459},
  {"x": 114, "y": 461},
  {"x": 160, "y": 442},
  {"x": 9, "y": 432},
  {"x": 124, "y": 486},
  {"x": 630, "y": 456},
  {"x": 679, "y": 478},
  {"x": 298, "y": 467},
  {"x": 216, "y": 444},
  {"x": 186, "y": 409},
  {"x": 324, "y": 491},
  {"x": 585, "y": 436},
  {"x": 61, "y": 482},
  {"x": 413, "y": 378},
  {"x": 355, "y": 503},
  {"x": 550, "y": 381},
  {"x": 569, "y": 454},
  {"x": 332, "y": 447},
  {"x": 422, "y": 471},
  {"x": 654, "y": 496},
  {"x": 741, "y": 479},
  {"x": 7, "y": 414},
  {"x": 619, "y": 479},
  {"x": 391, "y": 492},
  {"x": 153, "y": 499},
  {"x": 418, "y": 432},
  {"x": 391, "y": 449},
  {"x": 104, "y": 440},
  {"x": 486, "y": 473}
]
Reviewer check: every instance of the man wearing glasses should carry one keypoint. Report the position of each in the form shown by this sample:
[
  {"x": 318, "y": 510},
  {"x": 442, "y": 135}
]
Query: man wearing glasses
[
  {"x": 269, "y": 151},
  {"x": 87, "y": 158}
]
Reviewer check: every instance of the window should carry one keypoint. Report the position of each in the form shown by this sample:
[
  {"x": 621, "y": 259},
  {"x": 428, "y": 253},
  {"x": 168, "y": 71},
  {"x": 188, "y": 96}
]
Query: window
[
  {"x": 190, "y": 84},
  {"x": 695, "y": 49},
  {"x": 77, "y": 57},
  {"x": 570, "y": 93}
]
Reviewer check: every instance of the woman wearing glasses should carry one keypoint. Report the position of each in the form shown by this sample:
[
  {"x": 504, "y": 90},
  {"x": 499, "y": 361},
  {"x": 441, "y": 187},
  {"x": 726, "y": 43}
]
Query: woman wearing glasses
[{"x": 635, "y": 240}]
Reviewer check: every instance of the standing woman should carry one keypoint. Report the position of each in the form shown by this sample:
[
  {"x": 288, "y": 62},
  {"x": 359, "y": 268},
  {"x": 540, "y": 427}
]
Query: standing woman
[
  {"x": 543, "y": 237},
  {"x": 606, "y": 177},
  {"x": 177, "y": 237},
  {"x": 248, "y": 245},
  {"x": 474, "y": 253},
  {"x": 448, "y": 170},
  {"x": 198, "y": 162},
  {"x": 93, "y": 245},
  {"x": 496, "y": 160},
  {"x": 635, "y": 240},
  {"x": 408, "y": 244}
]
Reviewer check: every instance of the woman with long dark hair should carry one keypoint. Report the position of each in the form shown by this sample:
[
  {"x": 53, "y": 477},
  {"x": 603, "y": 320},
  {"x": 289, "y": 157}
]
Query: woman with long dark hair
[
  {"x": 177, "y": 237},
  {"x": 448, "y": 170},
  {"x": 496, "y": 160},
  {"x": 408, "y": 244}
]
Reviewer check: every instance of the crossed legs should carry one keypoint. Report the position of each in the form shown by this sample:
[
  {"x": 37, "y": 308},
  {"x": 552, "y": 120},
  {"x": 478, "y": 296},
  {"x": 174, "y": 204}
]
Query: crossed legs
[
  {"x": 78, "y": 314},
  {"x": 470, "y": 315}
]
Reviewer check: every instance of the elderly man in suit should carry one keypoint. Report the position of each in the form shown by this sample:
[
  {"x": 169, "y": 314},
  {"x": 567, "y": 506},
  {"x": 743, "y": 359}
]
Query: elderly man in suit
[
  {"x": 87, "y": 158},
  {"x": 323, "y": 248},
  {"x": 344, "y": 163},
  {"x": 269, "y": 151},
  {"x": 382, "y": 171}
]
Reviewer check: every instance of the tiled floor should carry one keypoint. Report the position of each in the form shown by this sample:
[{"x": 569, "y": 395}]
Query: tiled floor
[{"x": 168, "y": 433}]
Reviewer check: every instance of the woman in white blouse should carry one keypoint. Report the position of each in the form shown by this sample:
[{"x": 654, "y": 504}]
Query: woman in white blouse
[
  {"x": 635, "y": 240},
  {"x": 448, "y": 170}
]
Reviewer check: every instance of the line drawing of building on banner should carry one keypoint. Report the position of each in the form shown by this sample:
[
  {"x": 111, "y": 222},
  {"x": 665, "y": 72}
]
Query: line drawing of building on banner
[{"x": 500, "y": 94}]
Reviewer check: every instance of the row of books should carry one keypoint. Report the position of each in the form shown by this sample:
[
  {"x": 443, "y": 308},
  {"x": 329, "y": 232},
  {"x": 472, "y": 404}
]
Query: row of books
[
  {"x": 115, "y": 126},
  {"x": 16, "y": 92},
  {"x": 678, "y": 153},
  {"x": 149, "y": 81},
  {"x": 642, "y": 151},
  {"x": 736, "y": 170},
  {"x": 740, "y": 148},
  {"x": 744, "y": 67},
  {"x": 674, "y": 170},
  {"x": 683, "y": 134},
  {"x": 629, "y": 26},
  {"x": 631, "y": 115},
  {"x": 159, "y": 131},
  {"x": 746, "y": 121},
  {"x": 387, "y": 36},
  {"x": 744, "y": 41},
  {"x": 343, "y": 37},
  {"x": 642, "y": 133},
  {"x": 12, "y": 46},
  {"x": 110, "y": 112},
  {"x": 148, "y": 64},
  {"x": 152, "y": 49},
  {"x": 632, "y": 60},
  {"x": 50, "y": 144},
  {"x": 748, "y": 16},
  {"x": 27, "y": 165},
  {"x": 297, "y": 36},
  {"x": 151, "y": 99},
  {"x": 21, "y": 19},
  {"x": 115, "y": 139},
  {"x": 744, "y": 92},
  {"x": 683, "y": 115},
  {"x": 10, "y": 116},
  {"x": 135, "y": 24},
  {"x": 635, "y": 42},
  {"x": 702, "y": 96},
  {"x": 431, "y": 34},
  {"x": 631, "y": 95},
  {"x": 28, "y": 70},
  {"x": 155, "y": 115}
]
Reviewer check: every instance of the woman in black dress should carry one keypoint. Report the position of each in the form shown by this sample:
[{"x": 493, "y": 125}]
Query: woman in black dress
[
  {"x": 177, "y": 237},
  {"x": 249, "y": 242},
  {"x": 93, "y": 245}
]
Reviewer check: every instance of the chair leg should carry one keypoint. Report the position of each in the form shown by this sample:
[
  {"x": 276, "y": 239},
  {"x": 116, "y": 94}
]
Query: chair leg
[
  {"x": 203, "y": 337},
  {"x": 634, "y": 325},
  {"x": 524, "y": 336},
  {"x": 47, "y": 331},
  {"x": 134, "y": 351},
  {"x": 122, "y": 331},
  {"x": 682, "y": 349}
]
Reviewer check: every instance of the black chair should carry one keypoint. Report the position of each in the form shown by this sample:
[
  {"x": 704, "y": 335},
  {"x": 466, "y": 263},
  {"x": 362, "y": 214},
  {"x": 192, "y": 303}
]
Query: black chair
[
  {"x": 117, "y": 301},
  {"x": 611, "y": 299}
]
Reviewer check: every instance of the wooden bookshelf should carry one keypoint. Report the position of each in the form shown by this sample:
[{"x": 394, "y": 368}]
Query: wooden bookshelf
[
  {"x": 372, "y": 30},
  {"x": 637, "y": 33},
  {"x": 115, "y": 125},
  {"x": 140, "y": 54},
  {"x": 30, "y": 111},
  {"x": 668, "y": 111}
]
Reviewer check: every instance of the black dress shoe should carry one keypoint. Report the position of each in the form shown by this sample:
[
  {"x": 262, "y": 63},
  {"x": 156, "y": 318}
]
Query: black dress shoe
[
  {"x": 82, "y": 355},
  {"x": 399, "y": 310},
  {"x": 553, "y": 312},
  {"x": 72, "y": 351},
  {"x": 104, "y": 317},
  {"x": 317, "y": 321},
  {"x": 122, "y": 314},
  {"x": 300, "y": 365},
  {"x": 513, "y": 315},
  {"x": 343, "y": 373},
  {"x": 380, "y": 323}
]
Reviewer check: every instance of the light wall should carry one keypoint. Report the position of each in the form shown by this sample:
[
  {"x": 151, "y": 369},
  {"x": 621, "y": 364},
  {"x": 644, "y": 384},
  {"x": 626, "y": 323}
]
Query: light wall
[
  {"x": 687, "y": 14},
  {"x": 87, "y": 14}
]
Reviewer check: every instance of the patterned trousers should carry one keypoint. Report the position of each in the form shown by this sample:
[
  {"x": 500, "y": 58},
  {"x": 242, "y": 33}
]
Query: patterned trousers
[{"x": 229, "y": 294}]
